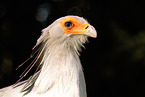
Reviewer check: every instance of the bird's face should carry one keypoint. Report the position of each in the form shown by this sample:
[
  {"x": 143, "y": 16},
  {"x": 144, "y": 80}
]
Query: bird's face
[{"x": 71, "y": 25}]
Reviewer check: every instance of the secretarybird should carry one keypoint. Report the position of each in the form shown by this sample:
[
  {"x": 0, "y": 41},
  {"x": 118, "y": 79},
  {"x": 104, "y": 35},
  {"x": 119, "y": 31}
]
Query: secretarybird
[{"x": 60, "y": 73}]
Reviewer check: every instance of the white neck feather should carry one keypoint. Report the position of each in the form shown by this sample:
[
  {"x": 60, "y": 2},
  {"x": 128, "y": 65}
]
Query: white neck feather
[{"x": 61, "y": 74}]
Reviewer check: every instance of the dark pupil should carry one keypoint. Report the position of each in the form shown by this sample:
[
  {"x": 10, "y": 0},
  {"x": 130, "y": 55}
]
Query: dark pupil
[{"x": 68, "y": 24}]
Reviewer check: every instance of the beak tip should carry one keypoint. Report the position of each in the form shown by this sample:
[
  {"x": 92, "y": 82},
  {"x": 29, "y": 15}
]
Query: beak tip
[{"x": 94, "y": 35}]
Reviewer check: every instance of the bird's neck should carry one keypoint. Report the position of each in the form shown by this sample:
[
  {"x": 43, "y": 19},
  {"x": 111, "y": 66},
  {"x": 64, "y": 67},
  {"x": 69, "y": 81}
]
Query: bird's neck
[{"x": 61, "y": 70}]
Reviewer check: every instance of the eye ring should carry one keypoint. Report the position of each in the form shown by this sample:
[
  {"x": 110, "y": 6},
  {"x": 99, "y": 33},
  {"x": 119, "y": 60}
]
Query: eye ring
[{"x": 68, "y": 24}]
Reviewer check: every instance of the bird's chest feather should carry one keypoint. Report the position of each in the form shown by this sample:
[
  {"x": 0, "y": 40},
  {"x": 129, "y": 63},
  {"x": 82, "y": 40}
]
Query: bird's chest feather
[
  {"x": 65, "y": 79},
  {"x": 66, "y": 85}
]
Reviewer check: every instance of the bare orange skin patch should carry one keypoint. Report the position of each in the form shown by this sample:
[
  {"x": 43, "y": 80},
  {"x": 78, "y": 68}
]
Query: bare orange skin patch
[{"x": 75, "y": 28}]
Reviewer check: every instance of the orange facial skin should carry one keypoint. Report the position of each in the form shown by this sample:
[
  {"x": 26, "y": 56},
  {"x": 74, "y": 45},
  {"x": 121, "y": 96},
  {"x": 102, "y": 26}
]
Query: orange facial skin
[{"x": 76, "y": 28}]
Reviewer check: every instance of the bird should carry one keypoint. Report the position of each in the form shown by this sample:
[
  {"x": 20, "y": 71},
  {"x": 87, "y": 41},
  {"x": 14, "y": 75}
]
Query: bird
[{"x": 60, "y": 72}]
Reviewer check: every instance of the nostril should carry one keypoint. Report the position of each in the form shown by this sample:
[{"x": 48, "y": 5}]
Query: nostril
[{"x": 87, "y": 27}]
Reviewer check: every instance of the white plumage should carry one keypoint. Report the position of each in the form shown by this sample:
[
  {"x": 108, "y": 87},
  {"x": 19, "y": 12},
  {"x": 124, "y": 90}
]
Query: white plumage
[{"x": 61, "y": 72}]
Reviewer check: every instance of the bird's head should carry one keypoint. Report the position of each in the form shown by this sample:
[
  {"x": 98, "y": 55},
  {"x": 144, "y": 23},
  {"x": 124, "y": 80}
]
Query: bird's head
[
  {"x": 69, "y": 26},
  {"x": 73, "y": 29}
]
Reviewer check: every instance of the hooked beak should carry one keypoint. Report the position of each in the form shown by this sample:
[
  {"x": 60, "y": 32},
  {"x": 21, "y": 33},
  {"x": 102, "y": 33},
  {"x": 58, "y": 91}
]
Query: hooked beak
[{"x": 90, "y": 31}]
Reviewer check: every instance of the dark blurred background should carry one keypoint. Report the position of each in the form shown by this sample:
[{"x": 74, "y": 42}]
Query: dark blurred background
[{"x": 114, "y": 63}]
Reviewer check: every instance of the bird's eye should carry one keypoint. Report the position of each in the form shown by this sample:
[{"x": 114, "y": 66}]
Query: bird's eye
[{"x": 68, "y": 24}]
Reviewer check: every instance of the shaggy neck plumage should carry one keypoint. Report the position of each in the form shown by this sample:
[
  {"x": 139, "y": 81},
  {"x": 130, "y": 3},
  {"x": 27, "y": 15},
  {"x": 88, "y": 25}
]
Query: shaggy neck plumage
[{"x": 61, "y": 65}]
